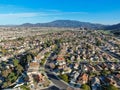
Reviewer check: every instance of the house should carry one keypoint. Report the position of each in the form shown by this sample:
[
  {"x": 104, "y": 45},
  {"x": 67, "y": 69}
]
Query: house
[
  {"x": 39, "y": 56},
  {"x": 117, "y": 79},
  {"x": 76, "y": 75},
  {"x": 95, "y": 84},
  {"x": 60, "y": 60},
  {"x": 85, "y": 68},
  {"x": 117, "y": 76},
  {"x": 66, "y": 70},
  {"x": 82, "y": 79},
  {"x": 52, "y": 65},
  {"x": 76, "y": 66},
  {"x": 72, "y": 58},
  {"x": 39, "y": 77},
  {"x": 111, "y": 81},
  {"x": 33, "y": 66}
]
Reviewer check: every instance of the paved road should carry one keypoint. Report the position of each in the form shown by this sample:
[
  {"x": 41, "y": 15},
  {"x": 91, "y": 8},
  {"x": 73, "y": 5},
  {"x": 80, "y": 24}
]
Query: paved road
[
  {"x": 61, "y": 85},
  {"x": 52, "y": 88}
]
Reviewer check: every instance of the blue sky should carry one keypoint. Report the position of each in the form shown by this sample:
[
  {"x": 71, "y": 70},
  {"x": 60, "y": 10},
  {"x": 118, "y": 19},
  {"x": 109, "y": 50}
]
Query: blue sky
[{"x": 35, "y": 11}]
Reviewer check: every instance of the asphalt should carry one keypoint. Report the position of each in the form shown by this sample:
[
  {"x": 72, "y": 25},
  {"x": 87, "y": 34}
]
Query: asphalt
[{"x": 56, "y": 81}]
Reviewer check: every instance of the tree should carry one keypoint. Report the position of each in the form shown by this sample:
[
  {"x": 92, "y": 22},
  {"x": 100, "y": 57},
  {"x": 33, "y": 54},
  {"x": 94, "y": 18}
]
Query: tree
[
  {"x": 42, "y": 61},
  {"x": 29, "y": 58},
  {"x": 4, "y": 51},
  {"x": 47, "y": 54},
  {"x": 19, "y": 69},
  {"x": 12, "y": 77},
  {"x": 105, "y": 72},
  {"x": 4, "y": 85},
  {"x": 68, "y": 61},
  {"x": 85, "y": 87},
  {"x": 15, "y": 62},
  {"x": 111, "y": 87},
  {"x": 24, "y": 87},
  {"x": 5, "y": 73},
  {"x": 64, "y": 77},
  {"x": 98, "y": 42},
  {"x": 19, "y": 39}
]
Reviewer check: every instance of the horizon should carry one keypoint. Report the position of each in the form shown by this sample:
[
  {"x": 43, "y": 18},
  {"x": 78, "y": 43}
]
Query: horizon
[
  {"x": 53, "y": 21},
  {"x": 18, "y": 12}
]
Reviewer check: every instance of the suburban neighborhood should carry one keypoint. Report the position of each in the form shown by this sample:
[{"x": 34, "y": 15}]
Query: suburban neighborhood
[{"x": 64, "y": 60}]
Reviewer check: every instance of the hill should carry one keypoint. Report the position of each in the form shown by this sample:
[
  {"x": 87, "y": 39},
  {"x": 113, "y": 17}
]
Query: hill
[
  {"x": 113, "y": 27},
  {"x": 69, "y": 24},
  {"x": 66, "y": 23}
]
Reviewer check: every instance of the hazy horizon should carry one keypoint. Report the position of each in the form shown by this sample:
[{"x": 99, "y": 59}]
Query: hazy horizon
[{"x": 55, "y": 20}]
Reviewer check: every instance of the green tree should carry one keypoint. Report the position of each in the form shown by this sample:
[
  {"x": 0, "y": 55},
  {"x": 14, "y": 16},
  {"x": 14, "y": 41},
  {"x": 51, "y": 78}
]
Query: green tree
[
  {"x": 4, "y": 51},
  {"x": 5, "y": 73},
  {"x": 111, "y": 87},
  {"x": 19, "y": 39},
  {"x": 47, "y": 54},
  {"x": 105, "y": 72},
  {"x": 29, "y": 58},
  {"x": 42, "y": 61},
  {"x": 19, "y": 69},
  {"x": 12, "y": 77},
  {"x": 15, "y": 62},
  {"x": 64, "y": 77},
  {"x": 85, "y": 87},
  {"x": 6, "y": 84},
  {"x": 24, "y": 87},
  {"x": 98, "y": 42},
  {"x": 68, "y": 61}
]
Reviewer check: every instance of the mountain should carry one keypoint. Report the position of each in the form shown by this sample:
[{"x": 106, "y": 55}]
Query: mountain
[
  {"x": 70, "y": 24},
  {"x": 113, "y": 27},
  {"x": 66, "y": 23}
]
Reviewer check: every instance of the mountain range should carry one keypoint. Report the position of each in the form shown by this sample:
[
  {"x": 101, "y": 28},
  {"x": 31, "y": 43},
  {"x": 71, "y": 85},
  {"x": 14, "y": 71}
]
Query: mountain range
[
  {"x": 66, "y": 23},
  {"x": 73, "y": 24}
]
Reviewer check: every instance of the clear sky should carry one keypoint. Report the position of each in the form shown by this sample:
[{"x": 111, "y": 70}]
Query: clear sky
[{"x": 35, "y": 11}]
